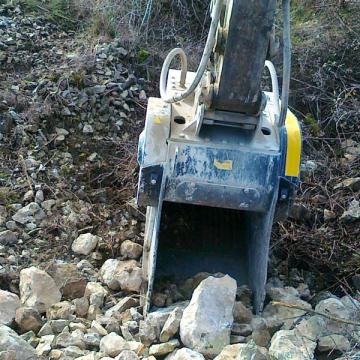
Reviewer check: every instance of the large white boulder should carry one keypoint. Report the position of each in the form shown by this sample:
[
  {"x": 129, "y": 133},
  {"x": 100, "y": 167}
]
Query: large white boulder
[
  {"x": 9, "y": 302},
  {"x": 206, "y": 322},
  {"x": 38, "y": 289}
]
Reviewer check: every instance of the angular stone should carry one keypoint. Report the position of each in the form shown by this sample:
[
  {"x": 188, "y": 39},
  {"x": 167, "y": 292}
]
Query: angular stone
[
  {"x": 92, "y": 339},
  {"x": 127, "y": 355},
  {"x": 185, "y": 354},
  {"x": 230, "y": 352},
  {"x": 46, "y": 330},
  {"x": 287, "y": 344},
  {"x": 334, "y": 342},
  {"x": 164, "y": 348},
  {"x": 335, "y": 308},
  {"x": 94, "y": 289},
  {"x": 125, "y": 275},
  {"x": 66, "y": 339},
  {"x": 124, "y": 304},
  {"x": 279, "y": 315},
  {"x": 29, "y": 214},
  {"x": 112, "y": 345},
  {"x": 44, "y": 346},
  {"x": 9, "y": 302},
  {"x": 352, "y": 213},
  {"x": 81, "y": 306},
  {"x": 28, "y": 319},
  {"x": 58, "y": 326},
  {"x": 171, "y": 326},
  {"x": 206, "y": 322},
  {"x": 85, "y": 244},
  {"x": 131, "y": 250},
  {"x": 251, "y": 351},
  {"x": 242, "y": 314},
  {"x": 260, "y": 334},
  {"x": 8, "y": 237},
  {"x": 61, "y": 310},
  {"x": 38, "y": 289},
  {"x": 11, "y": 342},
  {"x": 68, "y": 279},
  {"x": 241, "y": 329}
]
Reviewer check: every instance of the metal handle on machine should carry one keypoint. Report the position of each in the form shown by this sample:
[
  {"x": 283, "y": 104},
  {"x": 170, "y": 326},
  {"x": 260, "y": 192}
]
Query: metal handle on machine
[
  {"x": 210, "y": 42},
  {"x": 274, "y": 85},
  {"x": 165, "y": 69}
]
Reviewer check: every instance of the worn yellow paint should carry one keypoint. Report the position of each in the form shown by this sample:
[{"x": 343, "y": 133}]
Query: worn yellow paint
[
  {"x": 293, "y": 150},
  {"x": 225, "y": 165},
  {"x": 157, "y": 120}
]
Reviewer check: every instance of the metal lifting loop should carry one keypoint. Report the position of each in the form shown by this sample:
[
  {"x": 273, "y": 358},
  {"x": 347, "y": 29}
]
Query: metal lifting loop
[
  {"x": 274, "y": 84},
  {"x": 165, "y": 69},
  {"x": 210, "y": 42}
]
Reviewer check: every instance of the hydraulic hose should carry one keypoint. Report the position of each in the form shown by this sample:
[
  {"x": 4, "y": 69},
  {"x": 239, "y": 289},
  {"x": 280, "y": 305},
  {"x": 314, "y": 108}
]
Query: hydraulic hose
[
  {"x": 210, "y": 42},
  {"x": 274, "y": 84},
  {"x": 286, "y": 61}
]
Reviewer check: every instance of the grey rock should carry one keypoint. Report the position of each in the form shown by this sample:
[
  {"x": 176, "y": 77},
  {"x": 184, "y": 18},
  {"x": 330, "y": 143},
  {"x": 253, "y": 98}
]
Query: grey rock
[
  {"x": 28, "y": 319},
  {"x": 337, "y": 309},
  {"x": 11, "y": 342},
  {"x": 127, "y": 355},
  {"x": 87, "y": 129},
  {"x": 38, "y": 289},
  {"x": 85, "y": 244},
  {"x": 45, "y": 345},
  {"x": 241, "y": 313},
  {"x": 206, "y": 322},
  {"x": 164, "y": 348},
  {"x": 29, "y": 213},
  {"x": 334, "y": 342},
  {"x": 352, "y": 213},
  {"x": 58, "y": 326},
  {"x": 241, "y": 329},
  {"x": 8, "y": 237},
  {"x": 124, "y": 275},
  {"x": 68, "y": 279},
  {"x": 171, "y": 326},
  {"x": 185, "y": 354},
  {"x": 61, "y": 310},
  {"x": 112, "y": 344},
  {"x": 287, "y": 344},
  {"x": 251, "y": 351},
  {"x": 46, "y": 329},
  {"x": 9, "y": 303},
  {"x": 131, "y": 250},
  {"x": 81, "y": 306},
  {"x": 229, "y": 352},
  {"x": 66, "y": 339},
  {"x": 92, "y": 339}
]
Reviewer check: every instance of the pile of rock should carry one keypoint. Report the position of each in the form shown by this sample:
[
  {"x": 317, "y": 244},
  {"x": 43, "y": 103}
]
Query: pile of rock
[{"x": 68, "y": 317}]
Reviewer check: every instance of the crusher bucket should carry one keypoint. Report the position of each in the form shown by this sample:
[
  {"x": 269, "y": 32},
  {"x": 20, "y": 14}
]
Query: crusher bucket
[{"x": 219, "y": 158}]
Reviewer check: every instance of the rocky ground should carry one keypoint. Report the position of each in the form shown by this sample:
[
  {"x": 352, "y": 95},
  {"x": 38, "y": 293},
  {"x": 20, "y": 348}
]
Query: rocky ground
[{"x": 71, "y": 237}]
